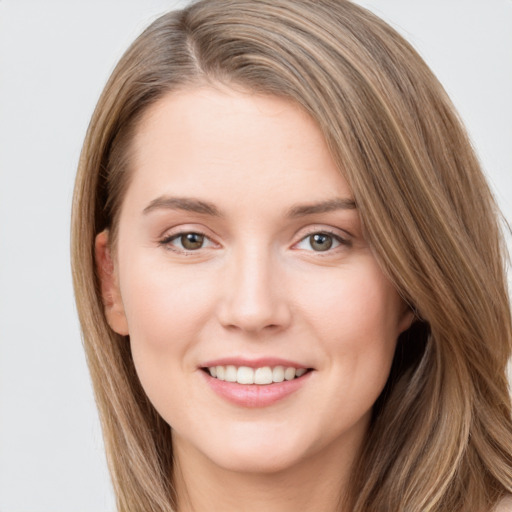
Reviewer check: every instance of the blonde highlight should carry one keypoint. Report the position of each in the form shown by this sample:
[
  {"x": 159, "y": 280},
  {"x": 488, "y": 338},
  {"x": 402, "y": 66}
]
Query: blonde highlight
[{"x": 416, "y": 180}]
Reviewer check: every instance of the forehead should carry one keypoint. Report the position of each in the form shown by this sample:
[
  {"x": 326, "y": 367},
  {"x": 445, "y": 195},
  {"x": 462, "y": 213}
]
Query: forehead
[{"x": 224, "y": 143}]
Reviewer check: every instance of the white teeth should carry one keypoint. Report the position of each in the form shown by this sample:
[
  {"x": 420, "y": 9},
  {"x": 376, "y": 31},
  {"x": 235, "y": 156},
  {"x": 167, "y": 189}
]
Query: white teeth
[
  {"x": 261, "y": 376},
  {"x": 230, "y": 375},
  {"x": 245, "y": 375},
  {"x": 278, "y": 374},
  {"x": 289, "y": 373}
]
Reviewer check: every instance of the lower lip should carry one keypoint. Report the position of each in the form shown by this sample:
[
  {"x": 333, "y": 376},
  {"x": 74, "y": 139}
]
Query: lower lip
[{"x": 255, "y": 395}]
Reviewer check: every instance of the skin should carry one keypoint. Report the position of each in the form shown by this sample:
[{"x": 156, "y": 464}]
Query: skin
[{"x": 256, "y": 288}]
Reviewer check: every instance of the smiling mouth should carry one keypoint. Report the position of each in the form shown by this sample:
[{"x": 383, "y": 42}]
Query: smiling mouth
[{"x": 261, "y": 376}]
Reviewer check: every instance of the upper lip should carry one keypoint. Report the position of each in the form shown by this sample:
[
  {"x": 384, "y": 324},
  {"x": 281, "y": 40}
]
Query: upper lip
[{"x": 253, "y": 363}]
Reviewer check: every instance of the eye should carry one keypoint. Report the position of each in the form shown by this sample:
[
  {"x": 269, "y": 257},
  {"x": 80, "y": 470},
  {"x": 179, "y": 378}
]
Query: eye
[
  {"x": 190, "y": 241},
  {"x": 321, "y": 242}
]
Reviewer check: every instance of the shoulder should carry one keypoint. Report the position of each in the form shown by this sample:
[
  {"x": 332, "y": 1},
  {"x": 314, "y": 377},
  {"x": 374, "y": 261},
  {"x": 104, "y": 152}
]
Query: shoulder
[{"x": 505, "y": 505}]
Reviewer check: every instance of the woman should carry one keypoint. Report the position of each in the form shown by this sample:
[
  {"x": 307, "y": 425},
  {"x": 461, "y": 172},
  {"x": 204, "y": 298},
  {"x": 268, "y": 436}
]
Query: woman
[{"x": 289, "y": 271}]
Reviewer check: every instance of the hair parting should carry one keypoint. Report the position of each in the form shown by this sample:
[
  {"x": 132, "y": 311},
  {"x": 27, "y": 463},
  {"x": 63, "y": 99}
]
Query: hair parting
[{"x": 441, "y": 435}]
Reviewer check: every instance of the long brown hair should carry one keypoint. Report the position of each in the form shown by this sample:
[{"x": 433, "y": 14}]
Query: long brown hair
[{"x": 441, "y": 435}]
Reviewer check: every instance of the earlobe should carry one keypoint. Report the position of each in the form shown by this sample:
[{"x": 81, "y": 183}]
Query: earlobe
[{"x": 110, "y": 292}]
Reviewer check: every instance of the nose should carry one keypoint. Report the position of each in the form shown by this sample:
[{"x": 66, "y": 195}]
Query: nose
[{"x": 253, "y": 294}]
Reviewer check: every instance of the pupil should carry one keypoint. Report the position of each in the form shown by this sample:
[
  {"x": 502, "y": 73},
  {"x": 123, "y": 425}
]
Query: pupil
[
  {"x": 192, "y": 241},
  {"x": 321, "y": 242}
]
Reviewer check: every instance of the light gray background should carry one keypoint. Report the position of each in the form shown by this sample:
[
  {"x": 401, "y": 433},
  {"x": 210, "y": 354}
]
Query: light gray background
[{"x": 55, "y": 57}]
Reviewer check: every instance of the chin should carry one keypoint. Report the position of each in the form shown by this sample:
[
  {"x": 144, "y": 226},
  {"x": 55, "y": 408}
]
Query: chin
[
  {"x": 255, "y": 461},
  {"x": 256, "y": 452}
]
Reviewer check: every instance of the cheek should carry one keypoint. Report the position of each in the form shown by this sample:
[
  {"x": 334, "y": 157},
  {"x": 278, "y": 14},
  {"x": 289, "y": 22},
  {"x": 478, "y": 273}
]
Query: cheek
[
  {"x": 166, "y": 308},
  {"x": 352, "y": 303},
  {"x": 166, "y": 311},
  {"x": 355, "y": 317}
]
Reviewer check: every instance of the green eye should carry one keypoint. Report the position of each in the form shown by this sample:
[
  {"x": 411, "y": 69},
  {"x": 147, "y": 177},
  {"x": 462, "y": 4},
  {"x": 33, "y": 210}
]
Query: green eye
[{"x": 320, "y": 241}]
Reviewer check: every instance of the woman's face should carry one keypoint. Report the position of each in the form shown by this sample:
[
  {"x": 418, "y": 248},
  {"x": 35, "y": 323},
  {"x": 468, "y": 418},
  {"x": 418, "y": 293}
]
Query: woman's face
[{"x": 240, "y": 248}]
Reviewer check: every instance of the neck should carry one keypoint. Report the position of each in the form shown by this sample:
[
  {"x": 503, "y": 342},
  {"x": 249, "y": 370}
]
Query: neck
[{"x": 313, "y": 484}]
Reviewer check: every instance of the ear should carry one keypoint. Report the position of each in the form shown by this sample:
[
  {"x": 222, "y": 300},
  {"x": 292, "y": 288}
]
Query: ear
[
  {"x": 110, "y": 292},
  {"x": 406, "y": 319}
]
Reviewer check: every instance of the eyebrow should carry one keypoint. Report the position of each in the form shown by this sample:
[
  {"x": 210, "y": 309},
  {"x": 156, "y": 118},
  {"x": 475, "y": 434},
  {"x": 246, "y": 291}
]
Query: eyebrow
[
  {"x": 322, "y": 207},
  {"x": 182, "y": 203},
  {"x": 206, "y": 208}
]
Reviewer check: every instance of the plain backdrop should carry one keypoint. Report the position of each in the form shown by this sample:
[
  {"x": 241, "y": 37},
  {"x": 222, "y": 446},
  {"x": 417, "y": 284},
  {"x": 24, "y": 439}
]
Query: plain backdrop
[{"x": 55, "y": 57}]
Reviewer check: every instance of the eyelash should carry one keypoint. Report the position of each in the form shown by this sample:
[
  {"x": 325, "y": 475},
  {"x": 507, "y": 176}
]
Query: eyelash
[{"x": 167, "y": 241}]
